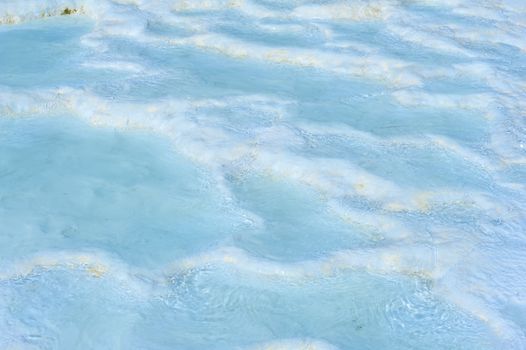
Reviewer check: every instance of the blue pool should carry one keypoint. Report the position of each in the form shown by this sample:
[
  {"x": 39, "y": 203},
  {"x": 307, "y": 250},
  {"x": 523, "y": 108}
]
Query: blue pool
[{"x": 263, "y": 174}]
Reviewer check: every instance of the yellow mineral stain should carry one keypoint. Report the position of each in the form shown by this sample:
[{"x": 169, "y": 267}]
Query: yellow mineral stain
[
  {"x": 328, "y": 268},
  {"x": 422, "y": 201},
  {"x": 395, "y": 207},
  {"x": 359, "y": 187},
  {"x": 230, "y": 259},
  {"x": 284, "y": 56},
  {"x": 97, "y": 271},
  {"x": 235, "y": 3},
  {"x": 392, "y": 260},
  {"x": 152, "y": 109},
  {"x": 9, "y": 19},
  {"x": 68, "y": 11}
]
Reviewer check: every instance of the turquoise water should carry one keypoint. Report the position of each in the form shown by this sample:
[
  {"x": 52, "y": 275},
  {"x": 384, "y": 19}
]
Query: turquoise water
[{"x": 262, "y": 174}]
